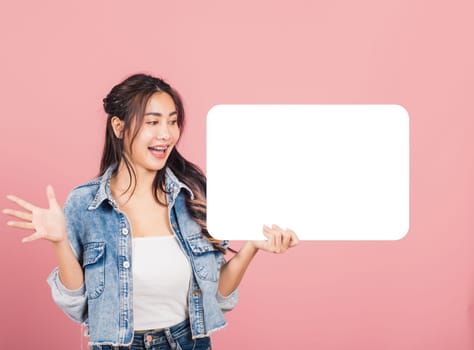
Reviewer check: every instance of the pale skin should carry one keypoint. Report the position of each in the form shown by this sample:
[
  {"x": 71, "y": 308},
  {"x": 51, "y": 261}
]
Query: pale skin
[{"x": 145, "y": 215}]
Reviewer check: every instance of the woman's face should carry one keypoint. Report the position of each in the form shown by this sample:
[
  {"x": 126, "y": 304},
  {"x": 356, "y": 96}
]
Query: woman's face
[{"x": 156, "y": 137}]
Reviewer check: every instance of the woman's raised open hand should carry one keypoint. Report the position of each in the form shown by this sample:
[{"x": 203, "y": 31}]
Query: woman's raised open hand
[{"x": 48, "y": 224}]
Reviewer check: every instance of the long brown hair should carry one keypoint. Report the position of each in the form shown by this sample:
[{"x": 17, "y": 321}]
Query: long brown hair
[{"x": 127, "y": 101}]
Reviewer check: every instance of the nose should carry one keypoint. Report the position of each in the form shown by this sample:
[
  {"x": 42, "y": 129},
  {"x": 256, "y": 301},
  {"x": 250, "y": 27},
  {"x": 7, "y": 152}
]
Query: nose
[{"x": 163, "y": 132}]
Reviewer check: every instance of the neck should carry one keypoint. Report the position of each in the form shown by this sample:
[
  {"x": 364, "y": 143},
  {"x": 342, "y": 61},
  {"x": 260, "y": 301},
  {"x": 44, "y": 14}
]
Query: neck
[{"x": 125, "y": 186}]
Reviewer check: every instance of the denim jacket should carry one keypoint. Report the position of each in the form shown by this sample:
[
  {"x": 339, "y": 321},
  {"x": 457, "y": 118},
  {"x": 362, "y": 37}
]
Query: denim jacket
[{"x": 100, "y": 236}]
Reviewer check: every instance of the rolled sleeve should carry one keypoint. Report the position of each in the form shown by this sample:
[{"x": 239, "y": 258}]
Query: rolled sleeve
[
  {"x": 228, "y": 302},
  {"x": 72, "y": 302}
]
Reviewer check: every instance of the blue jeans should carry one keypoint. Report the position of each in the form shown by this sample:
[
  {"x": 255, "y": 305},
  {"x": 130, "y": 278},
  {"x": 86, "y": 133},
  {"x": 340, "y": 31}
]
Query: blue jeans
[{"x": 177, "y": 337}]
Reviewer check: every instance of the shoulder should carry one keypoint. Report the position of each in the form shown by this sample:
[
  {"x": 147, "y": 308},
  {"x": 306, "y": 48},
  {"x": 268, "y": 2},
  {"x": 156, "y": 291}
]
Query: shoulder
[
  {"x": 83, "y": 194},
  {"x": 92, "y": 194},
  {"x": 87, "y": 187}
]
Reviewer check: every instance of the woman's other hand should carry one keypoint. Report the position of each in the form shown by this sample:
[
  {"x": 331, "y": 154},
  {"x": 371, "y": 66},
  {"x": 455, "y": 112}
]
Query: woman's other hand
[
  {"x": 278, "y": 240},
  {"x": 48, "y": 224}
]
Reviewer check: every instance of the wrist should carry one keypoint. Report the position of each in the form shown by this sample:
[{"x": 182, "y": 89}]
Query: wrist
[
  {"x": 253, "y": 246},
  {"x": 61, "y": 243}
]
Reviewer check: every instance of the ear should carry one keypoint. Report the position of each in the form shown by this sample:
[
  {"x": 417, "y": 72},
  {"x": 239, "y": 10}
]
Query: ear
[{"x": 117, "y": 126}]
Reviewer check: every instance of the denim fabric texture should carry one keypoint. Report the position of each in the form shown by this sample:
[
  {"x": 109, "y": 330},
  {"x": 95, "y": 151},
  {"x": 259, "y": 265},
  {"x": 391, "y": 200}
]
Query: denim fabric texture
[{"x": 100, "y": 236}]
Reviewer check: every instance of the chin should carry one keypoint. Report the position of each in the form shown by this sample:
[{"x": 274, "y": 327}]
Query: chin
[{"x": 157, "y": 167}]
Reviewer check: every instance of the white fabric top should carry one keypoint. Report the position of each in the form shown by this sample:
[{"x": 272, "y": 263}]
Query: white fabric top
[{"x": 161, "y": 278}]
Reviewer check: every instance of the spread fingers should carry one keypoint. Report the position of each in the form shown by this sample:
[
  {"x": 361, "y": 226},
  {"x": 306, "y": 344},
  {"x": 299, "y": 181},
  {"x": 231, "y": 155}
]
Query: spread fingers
[
  {"x": 18, "y": 214},
  {"x": 21, "y": 224},
  {"x": 22, "y": 203}
]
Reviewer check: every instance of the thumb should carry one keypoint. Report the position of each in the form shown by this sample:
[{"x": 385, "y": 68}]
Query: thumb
[
  {"x": 266, "y": 231},
  {"x": 51, "y": 197}
]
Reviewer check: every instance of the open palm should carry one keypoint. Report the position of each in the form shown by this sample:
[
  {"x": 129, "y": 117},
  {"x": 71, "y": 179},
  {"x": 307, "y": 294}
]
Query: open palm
[{"x": 48, "y": 223}]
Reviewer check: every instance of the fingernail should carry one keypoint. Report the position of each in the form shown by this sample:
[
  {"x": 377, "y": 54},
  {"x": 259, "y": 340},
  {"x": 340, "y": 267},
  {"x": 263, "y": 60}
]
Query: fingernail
[
  {"x": 266, "y": 227},
  {"x": 9, "y": 223}
]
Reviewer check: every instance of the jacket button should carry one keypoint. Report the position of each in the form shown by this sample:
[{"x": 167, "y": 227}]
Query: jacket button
[
  {"x": 125, "y": 231},
  {"x": 126, "y": 264}
]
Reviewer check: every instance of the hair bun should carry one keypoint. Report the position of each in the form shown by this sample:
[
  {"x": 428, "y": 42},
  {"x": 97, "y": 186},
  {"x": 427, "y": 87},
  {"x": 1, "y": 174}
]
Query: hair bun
[
  {"x": 104, "y": 101},
  {"x": 113, "y": 105}
]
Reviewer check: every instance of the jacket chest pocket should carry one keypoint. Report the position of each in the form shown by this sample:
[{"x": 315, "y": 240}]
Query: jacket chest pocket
[
  {"x": 204, "y": 258},
  {"x": 93, "y": 264}
]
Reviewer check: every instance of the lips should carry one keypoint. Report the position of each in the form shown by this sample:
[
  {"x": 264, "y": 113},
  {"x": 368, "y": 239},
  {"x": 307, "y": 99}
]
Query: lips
[{"x": 158, "y": 151}]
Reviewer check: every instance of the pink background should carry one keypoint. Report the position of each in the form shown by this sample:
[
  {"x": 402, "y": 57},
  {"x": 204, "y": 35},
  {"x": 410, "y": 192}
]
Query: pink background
[{"x": 59, "y": 59}]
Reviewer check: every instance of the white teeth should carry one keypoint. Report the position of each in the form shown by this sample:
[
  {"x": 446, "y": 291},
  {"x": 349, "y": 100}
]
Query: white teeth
[{"x": 158, "y": 149}]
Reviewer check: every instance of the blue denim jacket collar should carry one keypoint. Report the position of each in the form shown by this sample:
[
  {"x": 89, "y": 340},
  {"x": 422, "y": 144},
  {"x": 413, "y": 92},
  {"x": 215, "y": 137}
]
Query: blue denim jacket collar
[{"x": 173, "y": 187}]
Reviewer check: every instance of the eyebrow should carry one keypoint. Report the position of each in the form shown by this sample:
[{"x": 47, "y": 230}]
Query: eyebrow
[{"x": 157, "y": 114}]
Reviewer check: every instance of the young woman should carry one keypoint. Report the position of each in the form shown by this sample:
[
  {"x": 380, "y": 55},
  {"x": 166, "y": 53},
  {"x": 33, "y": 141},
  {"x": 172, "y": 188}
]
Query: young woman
[{"x": 136, "y": 263}]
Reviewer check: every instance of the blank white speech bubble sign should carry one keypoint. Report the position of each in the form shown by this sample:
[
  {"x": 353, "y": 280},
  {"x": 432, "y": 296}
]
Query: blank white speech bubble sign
[{"x": 328, "y": 172}]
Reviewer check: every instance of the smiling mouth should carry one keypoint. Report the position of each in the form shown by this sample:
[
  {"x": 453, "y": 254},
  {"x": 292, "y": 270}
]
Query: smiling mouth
[{"x": 158, "y": 149}]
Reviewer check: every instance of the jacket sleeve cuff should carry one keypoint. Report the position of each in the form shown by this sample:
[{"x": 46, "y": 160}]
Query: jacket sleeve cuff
[
  {"x": 227, "y": 303},
  {"x": 72, "y": 302}
]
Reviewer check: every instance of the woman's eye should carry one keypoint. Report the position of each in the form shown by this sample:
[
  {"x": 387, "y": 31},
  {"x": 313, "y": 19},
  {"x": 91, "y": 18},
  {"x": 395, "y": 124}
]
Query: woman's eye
[
  {"x": 154, "y": 122},
  {"x": 173, "y": 122}
]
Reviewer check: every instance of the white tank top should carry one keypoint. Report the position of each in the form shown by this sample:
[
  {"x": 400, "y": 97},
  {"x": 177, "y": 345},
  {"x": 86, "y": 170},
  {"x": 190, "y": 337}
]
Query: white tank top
[{"x": 161, "y": 278}]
